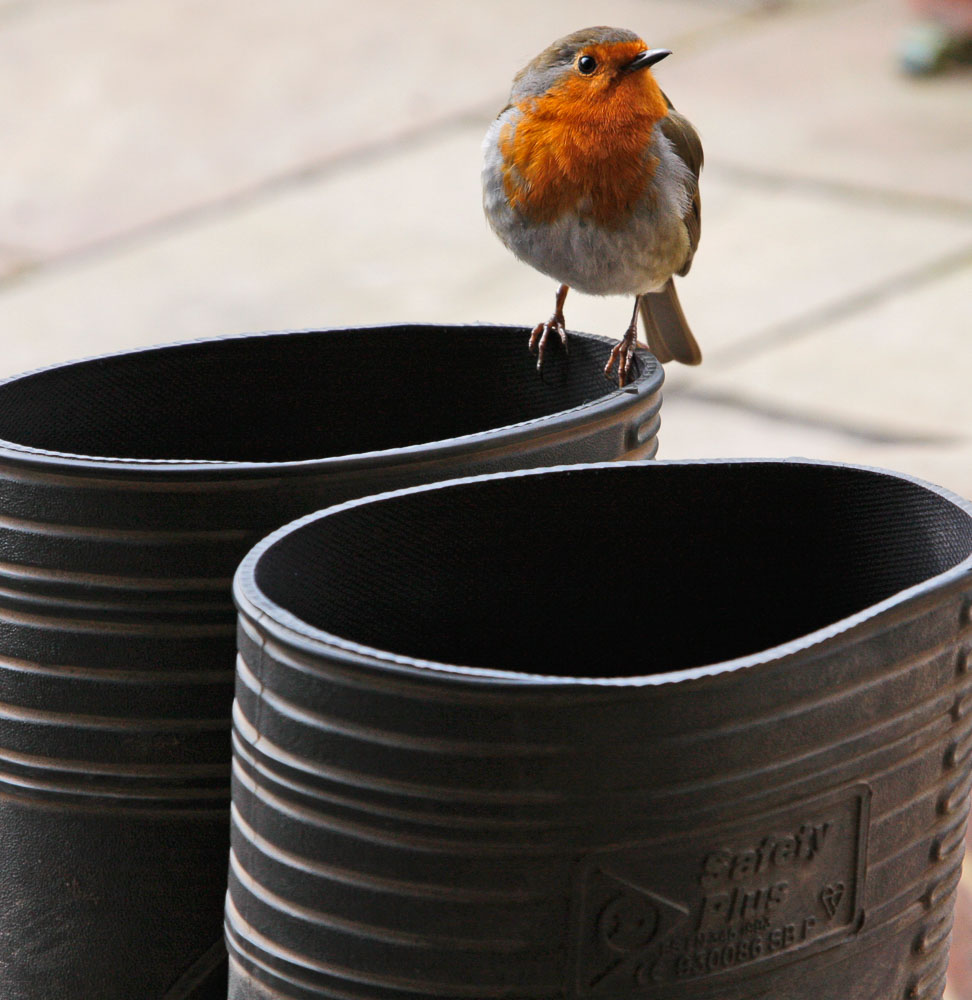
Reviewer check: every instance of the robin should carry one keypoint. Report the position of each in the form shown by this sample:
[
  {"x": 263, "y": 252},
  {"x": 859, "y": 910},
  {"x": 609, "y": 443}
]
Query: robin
[{"x": 592, "y": 177}]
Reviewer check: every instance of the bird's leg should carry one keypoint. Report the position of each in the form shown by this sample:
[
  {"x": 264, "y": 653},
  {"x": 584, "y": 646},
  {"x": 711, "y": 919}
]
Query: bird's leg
[
  {"x": 541, "y": 332},
  {"x": 623, "y": 353}
]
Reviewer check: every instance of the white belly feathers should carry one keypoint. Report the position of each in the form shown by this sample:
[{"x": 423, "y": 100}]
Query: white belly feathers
[{"x": 639, "y": 256}]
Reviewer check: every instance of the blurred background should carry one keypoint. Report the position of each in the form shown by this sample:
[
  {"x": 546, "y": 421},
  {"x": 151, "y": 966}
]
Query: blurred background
[
  {"x": 184, "y": 169},
  {"x": 177, "y": 168}
]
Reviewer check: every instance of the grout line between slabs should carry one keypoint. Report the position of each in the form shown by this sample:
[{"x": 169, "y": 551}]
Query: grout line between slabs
[
  {"x": 871, "y": 434},
  {"x": 224, "y": 204},
  {"x": 889, "y": 198},
  {"x": 810, "y": 322}
]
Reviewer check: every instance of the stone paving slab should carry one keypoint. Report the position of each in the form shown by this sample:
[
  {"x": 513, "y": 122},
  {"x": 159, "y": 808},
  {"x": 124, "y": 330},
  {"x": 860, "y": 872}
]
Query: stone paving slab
[
  {"x": 903, "y": 366},
  {"x": 773, "y": 254},
  {"x": 817, "y": 93},
  {"x": 138, "y": 111},
  {"x": 12, "y": 259},
  {"x": 960, "y": 959}
]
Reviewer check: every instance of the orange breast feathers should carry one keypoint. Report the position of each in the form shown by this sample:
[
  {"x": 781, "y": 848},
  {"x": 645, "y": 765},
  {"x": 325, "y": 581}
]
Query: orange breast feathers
[{"x": 584, "y": 142}]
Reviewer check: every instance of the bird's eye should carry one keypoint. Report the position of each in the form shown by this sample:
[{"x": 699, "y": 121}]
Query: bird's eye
[{"x": 587, "y": 65}]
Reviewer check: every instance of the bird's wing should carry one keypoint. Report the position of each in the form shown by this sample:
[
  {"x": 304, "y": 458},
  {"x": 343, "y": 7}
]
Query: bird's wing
[{"x": 685, "y": 140}]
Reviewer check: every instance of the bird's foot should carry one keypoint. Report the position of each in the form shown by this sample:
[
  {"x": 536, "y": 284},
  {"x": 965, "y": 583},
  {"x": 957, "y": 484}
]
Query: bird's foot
[
  {"x": 541, "y": 332},
  {"x": 623, "y": 355},
  {"x": 541, "y": 335}
]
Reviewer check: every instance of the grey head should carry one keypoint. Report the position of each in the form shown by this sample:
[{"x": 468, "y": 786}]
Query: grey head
[{"x": 542, "y": 72}]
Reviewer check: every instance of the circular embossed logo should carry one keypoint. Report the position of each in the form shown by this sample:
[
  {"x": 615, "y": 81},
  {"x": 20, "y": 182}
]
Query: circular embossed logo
[{"x": 628, "y": 921}]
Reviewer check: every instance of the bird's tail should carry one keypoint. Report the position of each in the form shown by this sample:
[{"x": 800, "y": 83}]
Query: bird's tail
[{"x": 666, "y": 329}]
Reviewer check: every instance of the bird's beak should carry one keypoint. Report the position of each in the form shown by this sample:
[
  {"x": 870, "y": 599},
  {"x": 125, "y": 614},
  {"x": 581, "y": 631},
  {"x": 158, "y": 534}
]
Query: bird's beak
[{"x": 647, "y": 58}]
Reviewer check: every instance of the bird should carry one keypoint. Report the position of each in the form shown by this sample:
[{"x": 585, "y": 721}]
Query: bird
[{"x": 591, "y": 176}]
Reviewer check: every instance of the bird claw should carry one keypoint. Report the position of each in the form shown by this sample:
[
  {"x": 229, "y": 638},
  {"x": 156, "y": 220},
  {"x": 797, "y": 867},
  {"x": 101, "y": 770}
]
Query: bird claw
[
  {"x": 540, "y": 337},
  {"x": 622, "y": 355}
]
